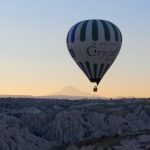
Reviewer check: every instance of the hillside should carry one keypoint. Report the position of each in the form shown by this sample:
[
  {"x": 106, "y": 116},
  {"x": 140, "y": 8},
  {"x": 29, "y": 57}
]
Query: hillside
[{"x": 50, "y": 124}]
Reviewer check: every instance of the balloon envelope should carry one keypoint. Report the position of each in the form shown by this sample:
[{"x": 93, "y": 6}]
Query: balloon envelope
[{"x": 94, "y": 45}]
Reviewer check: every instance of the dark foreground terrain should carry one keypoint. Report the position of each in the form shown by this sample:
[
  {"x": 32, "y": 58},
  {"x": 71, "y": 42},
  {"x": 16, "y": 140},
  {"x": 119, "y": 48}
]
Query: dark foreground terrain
[{"x": 46, "y": 124}]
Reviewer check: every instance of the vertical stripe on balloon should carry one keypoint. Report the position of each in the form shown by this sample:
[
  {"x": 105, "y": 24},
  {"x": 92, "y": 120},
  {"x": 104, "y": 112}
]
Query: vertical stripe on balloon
[
  {"x": 95, "y": 70},
  {"x": 115, "y": 31},
  {"x": 83, "y": 68},
  {"x": 106, "y": 68},
  {"x": 89, "y": 68},
  {"x": 100, "y": 70},
  {"x": 94, "y": 30},
  {"x": 120, "y": 35},
  {"x": 83, "y": 31},
  {"x": 68, "y": 37},
  {"x": 73, "y": 32},
  {"x": 106, "y": 30}
]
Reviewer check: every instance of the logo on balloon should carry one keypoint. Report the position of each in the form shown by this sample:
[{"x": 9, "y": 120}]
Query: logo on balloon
[{"x": 92, "y": 51}]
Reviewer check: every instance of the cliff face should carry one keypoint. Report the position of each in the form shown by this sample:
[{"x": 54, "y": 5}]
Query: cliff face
[{"x": 62, "y": 124}]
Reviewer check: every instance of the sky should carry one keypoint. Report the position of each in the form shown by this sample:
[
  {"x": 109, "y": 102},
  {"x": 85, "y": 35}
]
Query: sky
[{"x": 34, "y": 59}]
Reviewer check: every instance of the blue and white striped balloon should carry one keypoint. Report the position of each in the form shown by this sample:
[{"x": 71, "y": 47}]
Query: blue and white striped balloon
[{"x": 94, "y": 45}]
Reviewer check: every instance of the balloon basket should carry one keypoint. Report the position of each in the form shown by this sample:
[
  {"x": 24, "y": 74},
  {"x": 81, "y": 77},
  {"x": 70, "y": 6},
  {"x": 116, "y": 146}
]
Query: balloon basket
[{"x": 95, "y": 89}]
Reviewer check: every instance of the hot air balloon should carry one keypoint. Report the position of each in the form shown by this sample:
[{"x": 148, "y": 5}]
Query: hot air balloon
[{"x": 94, "y": 45}]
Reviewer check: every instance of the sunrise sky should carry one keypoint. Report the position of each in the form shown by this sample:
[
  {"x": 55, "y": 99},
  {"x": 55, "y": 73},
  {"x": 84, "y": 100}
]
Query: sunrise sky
[{"x": 33, "y": 55}]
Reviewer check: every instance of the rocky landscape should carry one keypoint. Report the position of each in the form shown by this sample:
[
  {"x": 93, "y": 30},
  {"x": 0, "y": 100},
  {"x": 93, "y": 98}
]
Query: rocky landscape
[{"x": 51, "y": 124}]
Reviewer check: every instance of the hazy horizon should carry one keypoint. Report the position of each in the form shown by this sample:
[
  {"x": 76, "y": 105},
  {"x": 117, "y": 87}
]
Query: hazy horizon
[
  {"x": 34, "y": 59},
  {"x": 71, "y": 93}
]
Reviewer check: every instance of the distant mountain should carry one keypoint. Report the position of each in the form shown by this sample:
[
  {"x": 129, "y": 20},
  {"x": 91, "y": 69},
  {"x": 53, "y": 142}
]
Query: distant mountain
[{"x": 70, "y": 92}]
